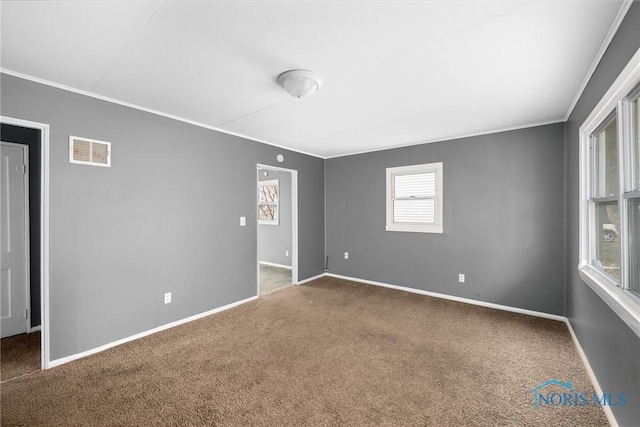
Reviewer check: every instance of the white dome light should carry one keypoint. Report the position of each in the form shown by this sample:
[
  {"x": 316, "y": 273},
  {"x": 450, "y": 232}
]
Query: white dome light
[{"x": 299, "y": 83}]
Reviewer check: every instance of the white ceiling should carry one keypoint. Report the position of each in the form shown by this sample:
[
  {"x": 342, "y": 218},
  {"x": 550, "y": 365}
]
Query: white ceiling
[{"x": 394, "y": 72}]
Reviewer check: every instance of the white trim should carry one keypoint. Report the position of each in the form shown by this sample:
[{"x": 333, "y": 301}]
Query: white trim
[
  {"x": 273, "y": 264},
  {"x": 294, "y": 222},
  {"x": 148, "y": 110},
  {"x": 619, "y": 300},
  {"x": 592, "y": 376},
  {"x": 583, "y": 356},
  {"x": 453, "y": 298},
  {"x": 27, "y": 235},
  {"x": 294, "y": 226},
  {"x": 95, "y": 350},
  {"x": 311, "y": 279},
  {"x": 437, "y": 226},
  {"x": 622, "y": 12},
  {"x": 217, "y": 129},
  {"x": 44, "y": 230},
  {"x": 450, "y": 138},
  {"x": 36, "y": 329},
  {"x": 618, "y": 90},
  {"x": 325, "y": 260}
]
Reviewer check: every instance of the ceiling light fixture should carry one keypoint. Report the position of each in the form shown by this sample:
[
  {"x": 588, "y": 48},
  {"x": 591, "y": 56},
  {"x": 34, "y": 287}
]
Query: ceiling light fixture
[{"x": 299, "y": 83}]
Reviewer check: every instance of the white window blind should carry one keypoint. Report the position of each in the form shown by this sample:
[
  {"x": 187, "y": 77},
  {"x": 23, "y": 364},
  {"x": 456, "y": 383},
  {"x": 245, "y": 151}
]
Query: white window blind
[
  {"x": 414, "y": 198},
  {"x": 415, "y": 185},
  {"x": 414, "y": 211}
]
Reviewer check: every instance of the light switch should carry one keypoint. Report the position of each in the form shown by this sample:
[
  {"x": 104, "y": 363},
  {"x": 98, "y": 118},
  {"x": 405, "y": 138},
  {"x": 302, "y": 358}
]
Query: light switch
[{"x": 243, "y": 221}]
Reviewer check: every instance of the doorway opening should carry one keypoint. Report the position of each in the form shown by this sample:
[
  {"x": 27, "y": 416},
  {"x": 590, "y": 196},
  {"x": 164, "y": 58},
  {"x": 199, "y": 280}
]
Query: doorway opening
[
  {"x": 24, "y": 324},
  {"x": 277, "y": 217}
]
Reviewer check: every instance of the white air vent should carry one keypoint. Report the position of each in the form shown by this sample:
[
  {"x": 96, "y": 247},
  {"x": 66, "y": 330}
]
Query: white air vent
[{"x": 85, "y": 151}]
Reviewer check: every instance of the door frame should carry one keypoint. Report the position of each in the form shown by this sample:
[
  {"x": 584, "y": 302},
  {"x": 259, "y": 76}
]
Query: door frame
[
  {"x": 27, "y": 231},
  {"x": 294, "y": 222},
  {"x": 44, "y": 233}
]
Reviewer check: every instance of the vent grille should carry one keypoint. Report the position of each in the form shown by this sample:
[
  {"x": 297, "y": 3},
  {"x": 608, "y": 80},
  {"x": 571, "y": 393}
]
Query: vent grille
[{"x": 85, "y": 151}]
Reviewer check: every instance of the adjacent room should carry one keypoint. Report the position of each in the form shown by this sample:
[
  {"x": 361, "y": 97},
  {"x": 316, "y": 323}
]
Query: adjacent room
[
  {"x": 320, "y": 213},
  {"x": 275, "y": 229}
]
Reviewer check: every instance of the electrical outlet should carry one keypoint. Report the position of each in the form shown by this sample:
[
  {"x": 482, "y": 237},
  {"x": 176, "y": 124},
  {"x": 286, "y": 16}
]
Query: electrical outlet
[
  {"x": 461, "y": 278},
  {"x": 286, "y": 253},
  {"x": 243, "y": 221},
  {"x": 167, "y": 298},
  {"x": 346, "y": 255}
]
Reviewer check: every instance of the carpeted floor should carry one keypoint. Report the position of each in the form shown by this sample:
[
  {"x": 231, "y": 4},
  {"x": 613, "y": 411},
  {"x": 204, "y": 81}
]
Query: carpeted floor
[
  {"x": 19, "y": 355},
  {"x": 327, "y": 353}
]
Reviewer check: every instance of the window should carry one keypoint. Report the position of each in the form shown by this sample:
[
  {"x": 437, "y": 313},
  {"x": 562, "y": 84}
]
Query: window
[
  {"x": 633, "y": 196},
  {"x": 268, "y": 196},
  {"x": 610, "y": 197},
  {"x": 414, "y": 198},
  {"x": 604, "y": 198}
]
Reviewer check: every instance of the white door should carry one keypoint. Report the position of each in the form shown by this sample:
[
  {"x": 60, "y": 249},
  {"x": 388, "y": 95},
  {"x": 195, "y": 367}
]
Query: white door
[{"x": 14, "y": 231}]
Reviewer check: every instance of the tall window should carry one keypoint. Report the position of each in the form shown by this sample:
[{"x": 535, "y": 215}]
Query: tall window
[
  {"x": 633, "y": 196},
  {"x": 268, "y": 202},
  {"x": 605, "y": 194},
  {"x": 414, "y": 198},
  {"x": 610, "y": 194}
]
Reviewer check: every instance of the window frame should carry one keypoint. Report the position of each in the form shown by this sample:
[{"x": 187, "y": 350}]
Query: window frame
[
  {"x": 266, "y": 183},
  {"x": 597, "y": 199},
  {"x": 437, "y": 226},
  {"x": 615, "y": 102}
]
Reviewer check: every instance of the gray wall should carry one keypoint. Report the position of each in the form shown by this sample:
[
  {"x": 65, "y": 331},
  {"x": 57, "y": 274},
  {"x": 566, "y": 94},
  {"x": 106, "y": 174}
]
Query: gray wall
[
  {"x": 503, "y": 219},
  {"x": 612, "y": 348},
  {"x": 275, "y": 240},
  {"x": 153, "y": 222}
]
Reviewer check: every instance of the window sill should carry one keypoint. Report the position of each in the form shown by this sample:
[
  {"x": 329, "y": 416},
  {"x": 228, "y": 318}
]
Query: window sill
[
  {"x": 413, "y": 228},
  {"x": 622, "y": 302}
]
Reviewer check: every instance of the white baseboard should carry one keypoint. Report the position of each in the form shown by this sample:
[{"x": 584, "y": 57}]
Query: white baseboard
[
  {"x": 35, "y": 329},
  {"x": 592, "y": 376},
  {"x": 73, "y": 357},
  {"x": 310, "y": 279},
  {"x": 594, "y": 381},
  {"x": 273, "y": 264},
  {"x": 607, "y": 410},
  {"x": 454, "y": 298}
]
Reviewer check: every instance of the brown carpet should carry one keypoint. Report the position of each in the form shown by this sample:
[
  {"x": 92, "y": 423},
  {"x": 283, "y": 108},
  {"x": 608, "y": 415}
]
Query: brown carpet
[
  {"x": 323, "y": 354},
  {"x": 19, "y": 355}
]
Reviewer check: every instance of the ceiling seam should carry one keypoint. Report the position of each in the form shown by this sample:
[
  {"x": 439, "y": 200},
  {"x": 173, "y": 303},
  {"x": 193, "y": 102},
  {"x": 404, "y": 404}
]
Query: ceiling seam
[
  {"x": 251, "y": 113},
  {"x": 126, "y": 46}
]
